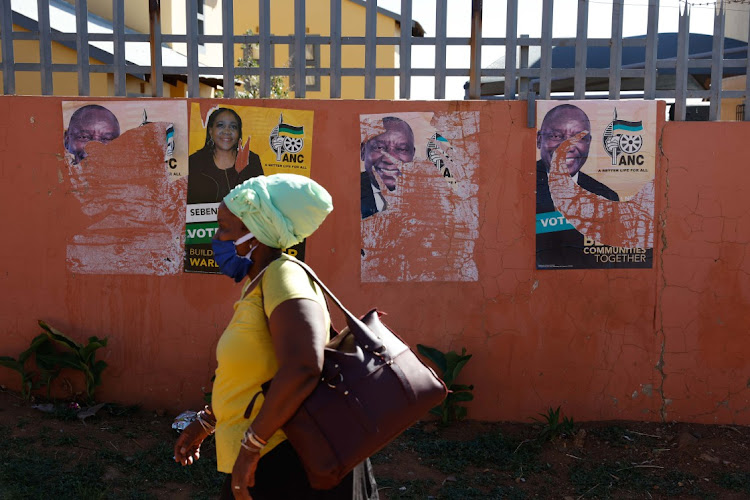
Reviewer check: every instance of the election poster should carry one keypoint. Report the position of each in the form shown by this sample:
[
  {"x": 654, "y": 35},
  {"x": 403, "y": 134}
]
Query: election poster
[
  {"x": 228, "y": 145},
  {"x": 126, "y": 164},
  {"x": 103, "y": 122},
  {"x": 595, "y": 170},
  {"x": 418, "y": 196}
]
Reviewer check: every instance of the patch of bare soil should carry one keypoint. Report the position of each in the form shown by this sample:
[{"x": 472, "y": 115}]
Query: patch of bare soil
[{"x": 121, "y": 453}]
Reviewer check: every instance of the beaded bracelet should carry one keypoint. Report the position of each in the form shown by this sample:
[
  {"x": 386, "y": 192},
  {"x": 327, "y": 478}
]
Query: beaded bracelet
[
  {"x": 208, "y": 426},
  {"x": 251, "y": 441}
]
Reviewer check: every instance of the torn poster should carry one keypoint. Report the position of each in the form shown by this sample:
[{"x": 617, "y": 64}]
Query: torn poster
[
  {"x": 126, "y": 163},
  {"x": 229, "y": 145},
  {"x": 595, "y": 184},
  {"x": 418, "y": 196}
]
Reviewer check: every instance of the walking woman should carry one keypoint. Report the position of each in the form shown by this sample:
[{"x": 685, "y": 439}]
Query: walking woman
[{"x": 279, "y": 329}]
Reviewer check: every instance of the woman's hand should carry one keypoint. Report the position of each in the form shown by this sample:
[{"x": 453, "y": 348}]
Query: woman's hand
[
  {"x": 243, "y": 473},
  {"x": 187, "y": 449}
]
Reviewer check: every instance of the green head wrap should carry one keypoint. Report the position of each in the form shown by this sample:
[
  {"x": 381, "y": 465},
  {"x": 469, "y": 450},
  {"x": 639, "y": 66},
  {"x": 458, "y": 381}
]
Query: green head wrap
[{"x": 280, "y": 210}]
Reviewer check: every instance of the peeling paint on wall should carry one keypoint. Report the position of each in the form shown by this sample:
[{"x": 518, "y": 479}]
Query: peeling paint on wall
[
  {"x": 419, "y": 196},
  {"x": 135, "y": 212}
]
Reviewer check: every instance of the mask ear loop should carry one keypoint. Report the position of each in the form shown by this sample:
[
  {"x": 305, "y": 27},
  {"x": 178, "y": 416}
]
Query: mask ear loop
[{"x": 247, "y": 237}]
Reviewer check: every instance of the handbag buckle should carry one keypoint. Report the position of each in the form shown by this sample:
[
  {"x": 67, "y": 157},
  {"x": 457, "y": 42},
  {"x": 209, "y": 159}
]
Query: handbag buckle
[
  {"x": 382, "y": 353},
  {"x": 340, "y": 379}
]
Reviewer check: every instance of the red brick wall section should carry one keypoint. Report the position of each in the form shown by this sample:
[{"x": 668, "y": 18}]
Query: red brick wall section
[{"x": 668, "y": 343}]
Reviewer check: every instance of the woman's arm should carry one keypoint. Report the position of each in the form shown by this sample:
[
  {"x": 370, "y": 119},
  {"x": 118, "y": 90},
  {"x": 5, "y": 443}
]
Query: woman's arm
[
  {"x": 298, "y": 332},
  {"x": 187, "y": 449}
]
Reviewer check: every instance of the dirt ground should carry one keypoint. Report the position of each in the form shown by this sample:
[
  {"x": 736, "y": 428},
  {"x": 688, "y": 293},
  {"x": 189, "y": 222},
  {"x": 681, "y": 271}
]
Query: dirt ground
[{"x": 126, "y": 453}]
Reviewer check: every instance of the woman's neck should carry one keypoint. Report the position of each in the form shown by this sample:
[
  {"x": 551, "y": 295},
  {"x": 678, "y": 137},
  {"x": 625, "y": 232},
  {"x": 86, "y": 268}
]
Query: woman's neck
[
  {"x": 262, "y": 257},
  {"x": 224, "y": 160}
]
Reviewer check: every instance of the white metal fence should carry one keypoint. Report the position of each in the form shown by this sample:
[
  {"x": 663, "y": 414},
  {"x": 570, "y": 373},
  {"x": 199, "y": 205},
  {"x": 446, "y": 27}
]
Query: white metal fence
[{"x": 517, "y": 79}]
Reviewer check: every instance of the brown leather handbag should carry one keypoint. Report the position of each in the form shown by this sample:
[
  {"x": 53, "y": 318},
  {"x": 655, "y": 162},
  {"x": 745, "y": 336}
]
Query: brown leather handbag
[{"x": 372, "y": 388}]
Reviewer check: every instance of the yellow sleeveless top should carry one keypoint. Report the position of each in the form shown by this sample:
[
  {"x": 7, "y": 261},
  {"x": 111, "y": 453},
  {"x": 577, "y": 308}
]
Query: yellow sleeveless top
[{"x": 246, "y": 357}]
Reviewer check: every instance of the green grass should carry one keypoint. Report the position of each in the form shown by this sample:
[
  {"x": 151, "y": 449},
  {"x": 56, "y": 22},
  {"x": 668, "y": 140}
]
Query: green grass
[
  {"x": 412, "y": 490},
  {"x": 478, "y": 465},
  {"x": 604, "y": 480},
  {"x": 56, "y": 470},
  {"x": 453, "y": 457},
  {"x": 736, "y": 481}
]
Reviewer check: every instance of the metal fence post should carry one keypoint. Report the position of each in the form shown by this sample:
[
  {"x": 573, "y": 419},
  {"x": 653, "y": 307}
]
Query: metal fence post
[
  {"x": 681, "y": 69},
  {"x": 545, "y": 71},
  {"x": 227, "y": 28},
  {"x": 265, "y": 63},
  {"x": 45, "y": 46},
  {"x": 441, "y": 26},
  {"x": 118, "y": 35},
  {"x": 192, "y": 49},
  {"x": 511, "y": 42},
  {"x": 405, "y": 51},
  {"x": 581, "y": 49},
  {"x": 371, "y": 33},
  {"x": 9, "y": 72},
  {"x": 652, "y": 43},
  {"x": 82, "y": 47},
  {"x": 475, "y": 60},
  {"x": 717, "y": 62},
  {"x": 335, "y": 49},
  {"x": 300, "y": 82},
  {"x": 154, "y": 11},
  {"x": 523, "y": 81},
  {"x": 615, "y": 50}
]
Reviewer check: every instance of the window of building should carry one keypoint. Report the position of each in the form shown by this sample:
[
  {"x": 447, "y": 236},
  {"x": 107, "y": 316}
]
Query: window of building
[
  {"x": 312, "y": 60},
  {"x": 201, "y": 21}
]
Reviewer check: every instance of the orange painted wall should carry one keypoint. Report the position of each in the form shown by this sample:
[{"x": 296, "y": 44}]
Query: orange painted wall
[{"x": 605, "y": 344}]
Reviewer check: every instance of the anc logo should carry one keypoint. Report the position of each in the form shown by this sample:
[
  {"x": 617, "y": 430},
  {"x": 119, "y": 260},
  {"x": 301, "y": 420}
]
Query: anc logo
[
  {"x": 437, "y": 152},
  {"x": 287, "y": 140},
  {"x": 621, "y": 143}
]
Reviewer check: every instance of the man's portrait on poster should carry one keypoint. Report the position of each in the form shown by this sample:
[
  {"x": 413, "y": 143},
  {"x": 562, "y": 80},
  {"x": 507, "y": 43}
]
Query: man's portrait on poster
[
  {"x": 562, "y": 123},
  {"x": 384, "y": 157},
  {"x": 91, "y": 122}
]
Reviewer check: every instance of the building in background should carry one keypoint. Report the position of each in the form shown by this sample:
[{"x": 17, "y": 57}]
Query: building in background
[
  {"x": 63, "y": 20},
  {"x": 733, "y": 108},
  {"x": 209, "y": 22}
]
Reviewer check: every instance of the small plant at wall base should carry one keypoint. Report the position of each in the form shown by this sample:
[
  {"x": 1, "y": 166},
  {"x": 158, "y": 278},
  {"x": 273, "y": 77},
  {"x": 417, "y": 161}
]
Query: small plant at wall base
[
  {"x": 552, "y": 426},
  {"x": 53, "y": 351},
  {"x": 450, "y": 365}
]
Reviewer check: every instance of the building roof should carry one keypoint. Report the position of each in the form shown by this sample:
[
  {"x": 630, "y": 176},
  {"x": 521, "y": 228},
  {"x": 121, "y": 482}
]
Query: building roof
[
  {"x": 416, "y": 28},
  {"x": 701, "y": 47}
]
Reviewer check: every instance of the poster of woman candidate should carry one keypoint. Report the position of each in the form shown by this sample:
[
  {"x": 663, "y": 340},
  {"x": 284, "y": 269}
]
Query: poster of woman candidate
[
  {"x": 418, "y": 196},
  {"x": 595, "y": 184},
  {"x": 228, "y": 145},
  {"x": 126, "y": 163}
]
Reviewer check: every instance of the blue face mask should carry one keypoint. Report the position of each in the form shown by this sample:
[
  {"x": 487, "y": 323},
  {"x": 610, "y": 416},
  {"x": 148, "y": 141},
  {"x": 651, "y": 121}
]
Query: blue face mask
[{"x": 233, "y": 265}]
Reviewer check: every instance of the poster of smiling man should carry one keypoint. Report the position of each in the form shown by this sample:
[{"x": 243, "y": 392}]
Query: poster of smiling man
[
  {"x": 229, "y": 145},
  {"x": 126, "y": 163},
  {"x": 595, "y": 184},
  {"x": 418, "y": 196}
]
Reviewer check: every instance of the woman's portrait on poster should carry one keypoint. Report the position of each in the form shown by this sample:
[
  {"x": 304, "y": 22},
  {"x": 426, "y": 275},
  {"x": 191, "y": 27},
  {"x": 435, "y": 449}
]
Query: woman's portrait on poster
[{"x": 213, "y": 169}]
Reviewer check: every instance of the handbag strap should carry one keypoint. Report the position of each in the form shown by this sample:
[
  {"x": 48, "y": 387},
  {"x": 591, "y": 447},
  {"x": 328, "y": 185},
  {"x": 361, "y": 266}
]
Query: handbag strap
[{"x": 361, "y": 332}]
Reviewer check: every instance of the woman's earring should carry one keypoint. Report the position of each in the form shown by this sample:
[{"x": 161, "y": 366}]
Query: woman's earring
[{"x": 211, "y": 142}]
